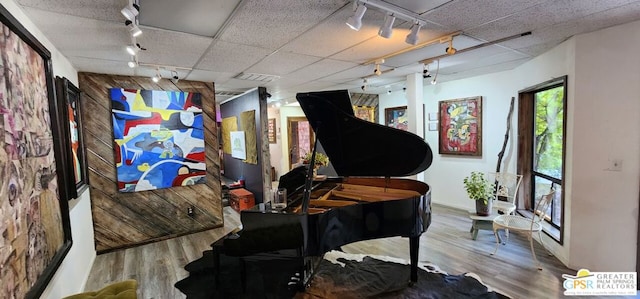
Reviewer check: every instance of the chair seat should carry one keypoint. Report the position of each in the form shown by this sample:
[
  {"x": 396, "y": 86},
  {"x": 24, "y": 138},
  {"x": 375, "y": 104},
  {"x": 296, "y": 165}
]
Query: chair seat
[{"x": 513, "y": 222}]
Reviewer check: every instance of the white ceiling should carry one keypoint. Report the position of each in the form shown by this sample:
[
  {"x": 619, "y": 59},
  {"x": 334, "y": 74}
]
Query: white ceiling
[{"x": 306, "y": 44}]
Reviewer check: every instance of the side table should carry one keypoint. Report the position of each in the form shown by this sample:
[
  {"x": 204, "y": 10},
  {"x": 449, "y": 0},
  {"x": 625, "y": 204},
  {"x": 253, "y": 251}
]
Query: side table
[{"x": 482, "y": 222}]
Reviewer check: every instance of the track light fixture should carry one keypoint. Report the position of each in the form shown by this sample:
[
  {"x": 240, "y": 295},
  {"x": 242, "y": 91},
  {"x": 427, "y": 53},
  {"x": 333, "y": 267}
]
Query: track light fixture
[
  {"x": 425, "y": 73},
  {"x": 387, "y": 28},
  {"x": 450, "y": 49},
  {"x": 156, "y": 78},
  {"x": 392, "y": 12},
  {"x": 412, "y": 37},
  {"x": 130, "y": 11},
  {"x": 133, "y": 28},
  {"x": 132, "y": 64},
  {"x": 355, "y": 21},
  {"x": 174, "y": 77},
  {"x": 133, "y": 49},
  {"x": 364, "y": 84}
]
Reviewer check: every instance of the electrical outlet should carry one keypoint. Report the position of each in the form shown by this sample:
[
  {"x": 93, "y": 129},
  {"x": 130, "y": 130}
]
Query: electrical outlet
[{"x": 191, "y": 211}]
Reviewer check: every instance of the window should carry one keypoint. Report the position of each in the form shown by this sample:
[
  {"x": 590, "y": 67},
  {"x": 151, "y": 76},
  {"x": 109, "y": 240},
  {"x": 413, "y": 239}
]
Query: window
[{"x": 541, "y": 127}]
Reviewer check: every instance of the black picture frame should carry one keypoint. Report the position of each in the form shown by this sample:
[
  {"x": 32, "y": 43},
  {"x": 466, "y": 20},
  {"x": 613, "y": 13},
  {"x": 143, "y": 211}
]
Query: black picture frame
[
  {"x": 46, "y": 213},
  {"x": 70, "y": 97}
]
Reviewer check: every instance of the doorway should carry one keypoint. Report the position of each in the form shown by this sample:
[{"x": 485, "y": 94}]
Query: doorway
[{"x": 300, "y": 137}]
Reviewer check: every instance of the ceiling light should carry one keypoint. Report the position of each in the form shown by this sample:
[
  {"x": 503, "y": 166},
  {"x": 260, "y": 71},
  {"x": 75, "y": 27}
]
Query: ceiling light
[
  {"x": 133, "y": 28},
  {"x": 355, "y": 21},
  {"x": 130, "y": 11},
  {"x": 133, "y": 50},
  {"x": 450, "y": 49},
  {"x": 174, "y": 77},
  {"x": 156, "y": 78},
  {"x": 387, "y": 28},
  {"x": 364, "y": 85},
  {"x": 425, "y": 73},
  {"x": 278, "y": 104},
  {"x": 412, "y": 37},
  {"x": 132, "y": 64},
  {"x": 377, "y": 70}
]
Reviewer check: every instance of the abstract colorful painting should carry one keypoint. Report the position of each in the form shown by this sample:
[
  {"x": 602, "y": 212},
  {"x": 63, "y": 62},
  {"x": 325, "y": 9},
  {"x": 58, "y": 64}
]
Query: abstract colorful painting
[
  {"x": 461, "y": 126},
  {"x": 158, "y": 139},
  {"x": 396, "y": 117}
]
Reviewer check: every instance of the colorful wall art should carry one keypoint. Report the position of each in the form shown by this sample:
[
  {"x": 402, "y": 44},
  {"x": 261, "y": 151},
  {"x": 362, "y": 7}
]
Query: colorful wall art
[
  {"x": 461, "y": 126},
  {"x": 35, "y": 234},
  {"x": 158, "y": 139}
]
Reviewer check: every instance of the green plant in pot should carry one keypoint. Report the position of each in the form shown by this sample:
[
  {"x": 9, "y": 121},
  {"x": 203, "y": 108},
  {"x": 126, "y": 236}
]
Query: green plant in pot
[{"x": 481, "y": 190}]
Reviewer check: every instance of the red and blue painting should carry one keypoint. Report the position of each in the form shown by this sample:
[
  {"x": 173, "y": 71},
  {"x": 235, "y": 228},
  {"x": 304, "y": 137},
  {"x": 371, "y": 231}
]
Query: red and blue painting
[{"x": 158, "y": 139}]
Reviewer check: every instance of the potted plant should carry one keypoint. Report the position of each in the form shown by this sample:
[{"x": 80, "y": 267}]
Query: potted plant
[
  {"x": 481, "y": 190},
  {"x": 321, "y": 160}
]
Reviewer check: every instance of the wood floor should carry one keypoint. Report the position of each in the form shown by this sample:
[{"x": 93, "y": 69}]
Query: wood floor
[{"x": 447, "y": 243}]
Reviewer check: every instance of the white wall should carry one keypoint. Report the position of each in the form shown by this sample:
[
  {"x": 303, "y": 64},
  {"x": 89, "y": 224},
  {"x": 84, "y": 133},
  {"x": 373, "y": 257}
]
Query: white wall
[
  {"x": 607, "y": 118},
  {"x": 74, "y": 270},
  {"x": 601, "y": 207}
]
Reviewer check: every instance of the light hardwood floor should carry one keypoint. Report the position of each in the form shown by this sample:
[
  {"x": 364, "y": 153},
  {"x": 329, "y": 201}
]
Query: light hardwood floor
[{"x": 447, "y": 243}]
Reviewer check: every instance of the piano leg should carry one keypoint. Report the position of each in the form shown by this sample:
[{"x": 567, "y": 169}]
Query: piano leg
[{"x": 414, "y": 243}]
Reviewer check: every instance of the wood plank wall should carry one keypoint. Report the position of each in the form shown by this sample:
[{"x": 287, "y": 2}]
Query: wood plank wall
[
  {"x": 124, "y": 220},
  {"x": 365, "y": 99}
]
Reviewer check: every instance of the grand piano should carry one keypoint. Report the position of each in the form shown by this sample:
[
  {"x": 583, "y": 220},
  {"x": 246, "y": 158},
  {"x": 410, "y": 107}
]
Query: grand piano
[{"x": 364, "y": 202}]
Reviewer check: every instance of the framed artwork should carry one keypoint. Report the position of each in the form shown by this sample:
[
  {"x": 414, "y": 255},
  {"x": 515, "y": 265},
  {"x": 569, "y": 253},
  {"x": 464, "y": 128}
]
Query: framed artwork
[
  {"x": 158, "y": 139},
  {"x": 396, "y": 117},
  {"x": 271, "y": 133},
  {"x": 365, "y": 113},
  {"x": 238, "y": 149},
  {"x": 70, "y": 94},
  {"x": 460, "y": 126},
  {"x": 35, "y": 233}
]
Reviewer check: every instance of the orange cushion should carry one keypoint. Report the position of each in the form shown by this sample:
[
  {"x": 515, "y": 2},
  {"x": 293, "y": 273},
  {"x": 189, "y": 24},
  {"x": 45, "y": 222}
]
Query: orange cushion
[{"x": 119, "y": 290}]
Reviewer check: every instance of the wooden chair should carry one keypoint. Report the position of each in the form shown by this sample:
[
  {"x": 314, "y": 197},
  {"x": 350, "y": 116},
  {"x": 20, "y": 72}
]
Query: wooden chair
[{"x": 525, "y": 225}]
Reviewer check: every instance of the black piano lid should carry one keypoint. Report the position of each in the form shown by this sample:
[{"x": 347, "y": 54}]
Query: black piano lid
[{"x": 357, "y": 147}]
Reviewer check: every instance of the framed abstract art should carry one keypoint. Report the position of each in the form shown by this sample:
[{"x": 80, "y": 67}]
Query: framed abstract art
[
  {"x": 460, "y": 126},
  {"x": 158, "y": 138},
  {"x": 35, "y": 233},
  {"x": 396, "y": 117},
  {"x": 69, "y": 95}
]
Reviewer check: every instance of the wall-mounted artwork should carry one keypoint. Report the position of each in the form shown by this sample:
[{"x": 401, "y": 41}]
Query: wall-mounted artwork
[
  {"x": 365, "y": 113},
  {"x": 229, "y": 124},
  {"x": 238, "y": 148},
  {"x": 248, "y": 126},
  {"x": 461, "y": 126},
  {"x": 396, "y": 117},
  {"x": 70, "y": 95},
  {"x": 35, "y": 234},
  {"x": 271, "y": 133},
  {"x": 158, "y": 139}
]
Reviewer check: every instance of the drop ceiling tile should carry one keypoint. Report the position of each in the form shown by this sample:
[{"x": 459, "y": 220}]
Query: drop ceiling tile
[
  {"x": 172, "y": 48},
  {"x": 418, "y": 7},
  {"x": 271, "y": 24},
  {"x": 219, "y": 78},
  {"x": 83, "y": 37},
  {"x": 199, "y": 17},
  {"x": 105, "y": 10},
  {"x": 322, "y": 68},
  {"x": 467, "y": 14},
  {"x": 90, "y": 65},
  {"x": 471, "y": 60},
  {"x": 230, "y": 57},
  {"x": 282, "y": 63}
]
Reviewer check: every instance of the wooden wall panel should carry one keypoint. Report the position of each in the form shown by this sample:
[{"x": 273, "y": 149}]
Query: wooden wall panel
[{"x": 124, "y": 220}]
